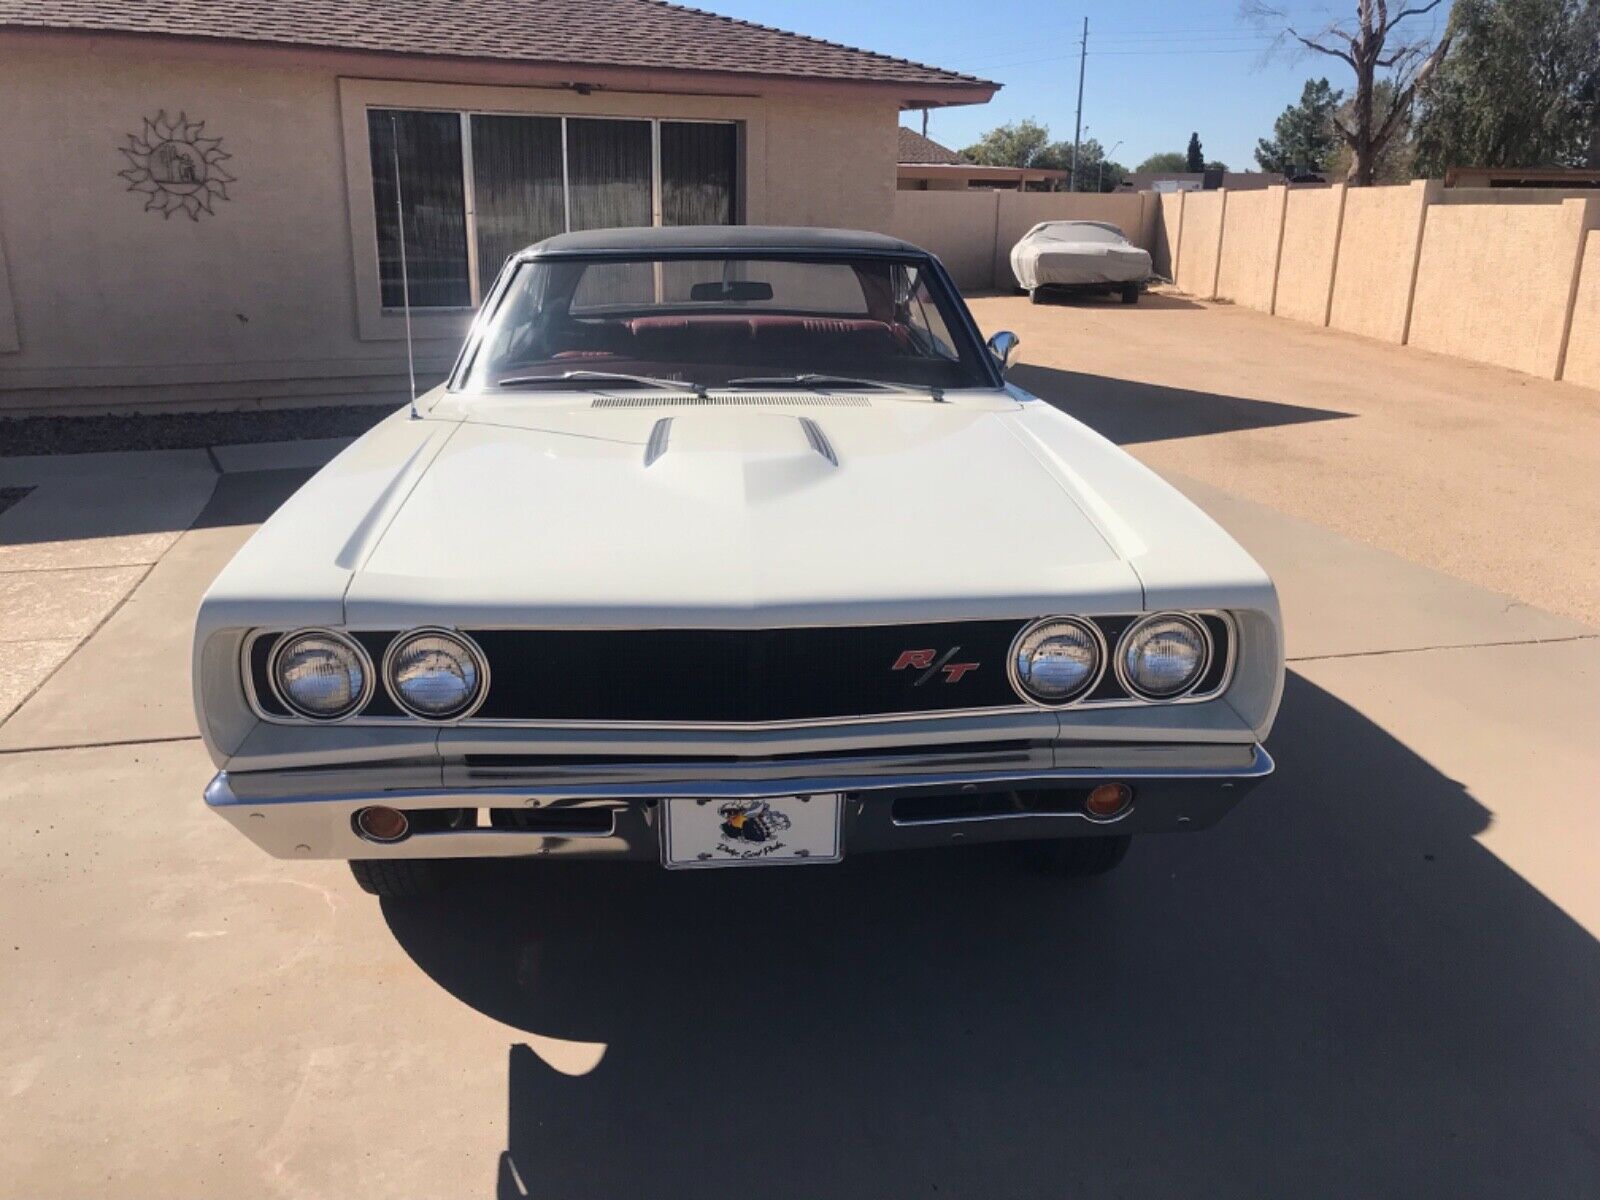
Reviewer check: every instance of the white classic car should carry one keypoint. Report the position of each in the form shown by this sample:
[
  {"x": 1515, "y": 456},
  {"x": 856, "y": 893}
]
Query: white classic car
[
  {"x": 725, "y": 546},
  {"x": 1065, "y": 257}
]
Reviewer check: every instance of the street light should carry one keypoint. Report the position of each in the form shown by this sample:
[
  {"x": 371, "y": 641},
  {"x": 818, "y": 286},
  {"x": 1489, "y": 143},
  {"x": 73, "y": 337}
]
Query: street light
[{"x": 1100, "y": 183}]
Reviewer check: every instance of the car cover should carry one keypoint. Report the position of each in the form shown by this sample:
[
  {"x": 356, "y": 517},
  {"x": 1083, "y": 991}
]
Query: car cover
[{"x": 1077, "y": 252}]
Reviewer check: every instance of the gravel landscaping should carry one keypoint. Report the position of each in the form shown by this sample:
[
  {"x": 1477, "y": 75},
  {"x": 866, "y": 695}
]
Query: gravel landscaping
[{"x": 182, "y": 431}]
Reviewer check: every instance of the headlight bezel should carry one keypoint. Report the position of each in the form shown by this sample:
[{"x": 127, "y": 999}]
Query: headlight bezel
[
  {"x": 369, "y": 675},
  {"x": 1096, "y": 638},
  {"x": 473, "y": 651},
  {"x": 1208, "y": 652}
]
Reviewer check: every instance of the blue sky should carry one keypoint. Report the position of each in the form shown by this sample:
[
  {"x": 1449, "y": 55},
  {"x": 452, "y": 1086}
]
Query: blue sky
[{"x": 1157, "y": 69}]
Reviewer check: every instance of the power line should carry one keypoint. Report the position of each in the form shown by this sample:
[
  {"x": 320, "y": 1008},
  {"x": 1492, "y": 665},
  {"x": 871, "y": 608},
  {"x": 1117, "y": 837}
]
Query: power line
[
  {"x": 1118, "y": 53},
  {"x": 1154, "y": 43},
  {"x": 1229, "y": 50},
  {"x": 1205, "y": 45},
  {"x": 1166, "y": 33}
]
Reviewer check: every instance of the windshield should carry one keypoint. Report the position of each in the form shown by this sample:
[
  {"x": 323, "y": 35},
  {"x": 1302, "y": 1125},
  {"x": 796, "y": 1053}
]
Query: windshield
[{"x": 724, "y": 320}]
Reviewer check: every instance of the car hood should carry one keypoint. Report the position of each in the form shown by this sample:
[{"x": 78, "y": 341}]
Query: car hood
[{"x": 738, "y": 511}]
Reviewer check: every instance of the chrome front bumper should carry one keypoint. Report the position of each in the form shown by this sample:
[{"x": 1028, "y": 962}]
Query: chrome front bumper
[{"x": 309, "y": 814}]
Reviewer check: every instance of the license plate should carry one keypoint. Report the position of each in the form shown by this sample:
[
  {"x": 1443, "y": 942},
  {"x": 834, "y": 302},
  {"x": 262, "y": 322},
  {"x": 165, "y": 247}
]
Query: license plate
[{"x": 777, "y": 830}]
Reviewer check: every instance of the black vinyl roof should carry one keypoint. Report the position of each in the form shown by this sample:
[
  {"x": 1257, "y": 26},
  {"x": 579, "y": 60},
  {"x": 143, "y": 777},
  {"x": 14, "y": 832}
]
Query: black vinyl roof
[{"x": 711, "y": 238}]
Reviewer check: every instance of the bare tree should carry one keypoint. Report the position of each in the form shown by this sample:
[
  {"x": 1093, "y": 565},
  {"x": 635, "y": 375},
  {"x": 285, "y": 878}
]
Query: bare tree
[{"x": 1369, "y": 45}]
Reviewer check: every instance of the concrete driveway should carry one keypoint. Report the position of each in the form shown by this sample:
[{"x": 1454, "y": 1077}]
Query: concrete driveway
[{"x": 1379, "y": 977}]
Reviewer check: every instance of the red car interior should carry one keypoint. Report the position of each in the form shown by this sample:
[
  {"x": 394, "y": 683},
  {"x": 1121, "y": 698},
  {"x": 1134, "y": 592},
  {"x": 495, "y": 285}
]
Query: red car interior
[{"x": 725, "y": 338}]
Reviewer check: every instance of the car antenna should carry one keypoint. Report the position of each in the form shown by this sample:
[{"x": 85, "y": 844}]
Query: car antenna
[{"x": 405, "y": 275}]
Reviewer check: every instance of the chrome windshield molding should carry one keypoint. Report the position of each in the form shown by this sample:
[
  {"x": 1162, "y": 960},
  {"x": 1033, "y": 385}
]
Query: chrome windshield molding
[
  {"x": 220, "y": 793},
  {"x": 369, "y": 683}
]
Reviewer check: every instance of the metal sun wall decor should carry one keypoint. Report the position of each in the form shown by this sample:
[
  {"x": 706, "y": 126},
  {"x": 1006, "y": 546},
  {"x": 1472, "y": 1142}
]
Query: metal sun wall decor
[{"x": 176, "y": 168}]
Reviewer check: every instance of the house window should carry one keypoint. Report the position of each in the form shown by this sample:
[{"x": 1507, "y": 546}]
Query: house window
[
  {"x": 609, "y": 171},
  {"x": 428, "y": 147},
  {"x": 477, "y": 187},
  {"x": 698, "y": 164},
  {"x": 518, "y": 184}
]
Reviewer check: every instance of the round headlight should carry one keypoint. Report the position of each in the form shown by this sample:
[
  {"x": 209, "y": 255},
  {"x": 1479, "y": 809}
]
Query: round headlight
[
  {"x": 1057, "y": 660},
  {"x": 1163, "y": 656},
  {"x": 434, "y": 674},
  {"x": 319, "y": 675}
]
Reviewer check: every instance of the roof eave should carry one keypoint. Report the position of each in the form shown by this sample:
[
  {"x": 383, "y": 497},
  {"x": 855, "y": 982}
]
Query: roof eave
[{"x": 911, "y": 94}]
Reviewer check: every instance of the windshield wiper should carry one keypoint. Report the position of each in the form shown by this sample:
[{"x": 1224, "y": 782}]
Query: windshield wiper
[
  {"x": 814, "y": 379},
  {"x": 674, "y": 385}
]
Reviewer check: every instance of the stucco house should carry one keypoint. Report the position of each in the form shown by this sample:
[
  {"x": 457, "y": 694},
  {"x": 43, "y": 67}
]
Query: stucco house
[
  {"x": 198, "y": 201},
  {"x": 1198, "y": 181},
  {"x": 926, "y": 166}
]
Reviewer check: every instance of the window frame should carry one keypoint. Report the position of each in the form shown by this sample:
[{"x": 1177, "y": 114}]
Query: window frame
[
  {"x": 475, "y": 282},
  {"x": 438, "y": 333}
]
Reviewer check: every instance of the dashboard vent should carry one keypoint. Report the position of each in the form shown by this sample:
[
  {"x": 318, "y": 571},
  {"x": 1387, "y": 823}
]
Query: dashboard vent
[{"x": 734, "y": 400}]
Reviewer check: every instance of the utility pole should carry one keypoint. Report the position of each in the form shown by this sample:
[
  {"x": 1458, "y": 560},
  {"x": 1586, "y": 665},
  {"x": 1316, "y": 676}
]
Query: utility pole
[
  {"x": 924, "y": 122},
  {"x": 1077, "y": 131}
]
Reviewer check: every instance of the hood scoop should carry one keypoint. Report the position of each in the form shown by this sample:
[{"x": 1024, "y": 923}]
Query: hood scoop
[
  {"x": 819, "y": 440},
  {"x": 734, "y": 400},
  {"x": 754, "y": 458}
]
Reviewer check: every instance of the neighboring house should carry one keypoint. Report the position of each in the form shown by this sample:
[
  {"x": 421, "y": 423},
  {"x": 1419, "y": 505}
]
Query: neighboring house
[
  {"x": 198, "y": 201},
  {"x": 926, "y": 166},
  {"x": 1196, "y": 181},
  {"x": 1559, "y": 178}
]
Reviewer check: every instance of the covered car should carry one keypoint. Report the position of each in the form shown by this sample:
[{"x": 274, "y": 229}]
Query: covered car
[{"x": 1094, "y": 256}]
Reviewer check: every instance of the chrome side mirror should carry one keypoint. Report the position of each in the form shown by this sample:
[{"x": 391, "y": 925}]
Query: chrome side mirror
[{"x": 1003, "y": 345}]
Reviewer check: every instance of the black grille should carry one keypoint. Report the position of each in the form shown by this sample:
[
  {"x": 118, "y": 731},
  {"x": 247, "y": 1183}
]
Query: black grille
[
  {"x": 723, "y": 676},
  {"x": 740, "y": 676}
]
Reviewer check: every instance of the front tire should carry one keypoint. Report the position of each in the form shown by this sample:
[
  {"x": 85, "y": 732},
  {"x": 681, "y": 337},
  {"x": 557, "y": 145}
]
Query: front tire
[
  {"x": 398, "y": 878},
  {"x": 1130, "y": 293},
  {"x": 1036, "y": 296},
  {"x": 1078, "y": 857}
]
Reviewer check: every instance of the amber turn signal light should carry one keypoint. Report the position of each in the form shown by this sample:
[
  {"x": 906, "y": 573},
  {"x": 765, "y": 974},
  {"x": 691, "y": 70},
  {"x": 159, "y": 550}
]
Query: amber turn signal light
[{"x": 1108, "y": 800}]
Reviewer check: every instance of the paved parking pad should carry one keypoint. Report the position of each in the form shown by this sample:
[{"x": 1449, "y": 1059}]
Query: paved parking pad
[
  {"x": 1485, "y": 474},
  {"x": 1377, "y": 977},
  {"x": 130, "y": 682},
  {"x": 72, "y": 548}
]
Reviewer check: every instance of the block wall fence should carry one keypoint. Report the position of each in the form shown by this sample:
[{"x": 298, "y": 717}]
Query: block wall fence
[{"x": 1493, "y": 275}]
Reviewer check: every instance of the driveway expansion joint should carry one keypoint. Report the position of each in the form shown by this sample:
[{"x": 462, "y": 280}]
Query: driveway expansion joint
[
  {"x": 1549, "y": 641},
  {"x": 150, "y": 741},
  {"x": 142, "y": 562}
]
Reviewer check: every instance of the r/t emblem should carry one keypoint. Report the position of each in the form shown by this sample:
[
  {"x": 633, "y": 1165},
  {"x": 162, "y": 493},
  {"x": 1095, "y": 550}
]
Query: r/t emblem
[{"x": 931, "y": 663}]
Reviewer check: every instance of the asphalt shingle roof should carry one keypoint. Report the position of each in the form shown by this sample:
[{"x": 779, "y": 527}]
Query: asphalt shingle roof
[
  {"x": 914, "y": 148},
  {"x": 650, "y": 34}
]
